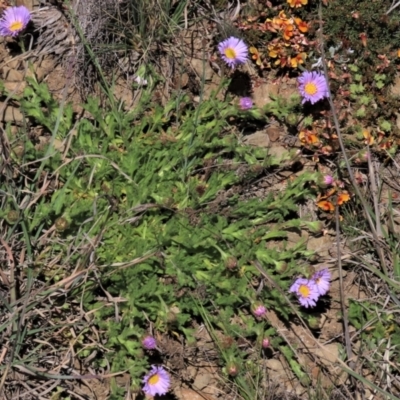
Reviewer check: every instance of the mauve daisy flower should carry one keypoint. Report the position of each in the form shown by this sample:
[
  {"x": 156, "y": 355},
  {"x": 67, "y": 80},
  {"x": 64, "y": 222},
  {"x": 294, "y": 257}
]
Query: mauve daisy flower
[
  {"x": 157, "y": 381},
  {"x": 312, "y": 86},
  {"x": 260, "y": 311},
  {"x": 149, "y": 343},
  {"x": 14, "y": 20},
  {"x": 322, "y": 280},
  {"x": 245, "y": 103},
  {"x": 233, "y": 51},
  {"x": 306, "y": 291}
]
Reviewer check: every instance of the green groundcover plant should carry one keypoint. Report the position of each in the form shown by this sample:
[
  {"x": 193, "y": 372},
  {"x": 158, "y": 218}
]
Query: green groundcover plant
[{"x": 145, "y": 201}]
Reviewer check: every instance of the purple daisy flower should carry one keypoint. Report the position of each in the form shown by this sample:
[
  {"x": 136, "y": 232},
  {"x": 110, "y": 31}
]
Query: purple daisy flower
[
  {"x": 312, "y": 86},
  {"x": 157, "y": 381},
  {"x": 149, "y": 343},
  {"x": 260, "y": 311},
  {"x": 245, "y": 103},
  {"x": 233, "y": 51},
  {"x": 322, "y": 280},
  {"x": 14, "y": 20},
  {"x": 306, "y": 291}
]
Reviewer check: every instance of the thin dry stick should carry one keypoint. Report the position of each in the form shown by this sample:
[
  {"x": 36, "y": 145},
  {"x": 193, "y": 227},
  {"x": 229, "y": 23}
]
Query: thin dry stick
[
  {"x": 339, "y": 260},
  {"x": 374, "y": 192},
  {"x": 392, "y": 7},
  {"x": 342, "y": 296}
]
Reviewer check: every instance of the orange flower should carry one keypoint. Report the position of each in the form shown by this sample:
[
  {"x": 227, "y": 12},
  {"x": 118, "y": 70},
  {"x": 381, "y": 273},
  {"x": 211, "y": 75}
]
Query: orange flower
[
  {"x": 301, "y": 25},
  {"x": 279, "y": 21},
  {"x": 343, "y": 197},
  {"x": 308, "y": 137},
  {"x": 329, "y": 193},
  {"x": 386, "y": 144},
  {"x": 282, "y": 61},
  {"x": 398, "y": 53},
  {"x": 297, "y": 3},
  {"x": 299, "y": 59},
  {"x": 274, "y": 50},
  {"x": 369, "y": 139},
  {"x": 282, "y": 16},
  {"x": 288, "y": 32},
  {"x": 326, "y": 205},
  {"x": 255, "y": 55}
]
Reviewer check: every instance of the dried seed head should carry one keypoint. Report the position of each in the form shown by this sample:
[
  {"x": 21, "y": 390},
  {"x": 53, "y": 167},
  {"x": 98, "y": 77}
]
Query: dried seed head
[
  {"x": 12, "y": 217},
  {"x": 61, "y": 224}
]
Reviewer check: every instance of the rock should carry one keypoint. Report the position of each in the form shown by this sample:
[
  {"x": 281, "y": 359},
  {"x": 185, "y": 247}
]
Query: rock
[
  {"x": 202, "y": 68},
  {"x": 180, "y": 81},
  {"x": 279, "y": 152},
  {"x": 29, "y": 4},
  {"x": 213, "y": 86},
  {"x": 258, "y": 139},
  {"x": 321, "y": 245},
  {"x": 12, "y": 62},
  {"x": 189, "y": 394},
  {"x": 294, "y": 238},
  {"x": 202, "y": 381},
  {"x": 329, "y": 354},
  {"x": 15, "y": 87},
  {"x": 395, "y": 88},
  {"x": 274, "y": 132},
  {"x": 262, "y": 93},
  {"x": 11, "y": 114},
  {"x": 14, "y": 76},
  {"x": 123, "y": 93},
  {"x": 288, "y": 88},
  {"x": 41, "y": 73}
]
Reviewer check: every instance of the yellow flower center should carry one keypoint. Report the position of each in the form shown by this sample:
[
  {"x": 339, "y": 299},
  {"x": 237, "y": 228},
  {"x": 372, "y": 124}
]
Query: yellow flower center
[
  {"x": 16, "y": 26},
  {"x": 310, "y": 88},
  {"x": 230, "y": 53},
  {"x": 304, "y": 290},
  {"x": 154, "y": 379}
]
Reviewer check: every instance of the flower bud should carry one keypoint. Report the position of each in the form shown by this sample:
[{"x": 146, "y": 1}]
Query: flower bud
[
  {"x": 232, "y": 369},
  {"x": 281, "y": 266},
  {"x": 325, "y": 180},
  {"x": 292, "y": 119},
  {"x": 313, "y": 322},
  {"x": 265, "y": 343},
  {"x": 61, "y": 224},
  {"x": 149, "y": 343},
  {"x": 231, "y": 263},
  {"x": 362, "y": 156},
  {"x": 245, "y": 103},
  {"x": 12, "y": 217},
  {"x": 259, "y": 311}
]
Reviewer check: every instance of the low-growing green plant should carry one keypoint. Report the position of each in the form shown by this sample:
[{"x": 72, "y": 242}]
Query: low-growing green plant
[{"x": 150, "y": 202}]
